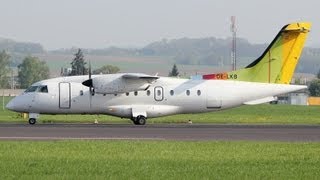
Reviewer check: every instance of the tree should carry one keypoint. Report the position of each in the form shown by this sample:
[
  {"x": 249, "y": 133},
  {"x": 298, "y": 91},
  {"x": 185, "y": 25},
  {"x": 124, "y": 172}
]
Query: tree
[
  {"x": 32, "y": 70},
  {"x": 318, "y": 74},
  {"x": 174, "y": 72},
  {"x": 107, "y": 69},
  {"x": 297, "y": 80},
  {"x": 314, "y": 87},
  {"x": 4, "y": 70},
  {"x": 78, "y": 64}
]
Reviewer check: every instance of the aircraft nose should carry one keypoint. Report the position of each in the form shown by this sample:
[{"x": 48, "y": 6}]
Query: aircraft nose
[{"x": 10, "y": 105}]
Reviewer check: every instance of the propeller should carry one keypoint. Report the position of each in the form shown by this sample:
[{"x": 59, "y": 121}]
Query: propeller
[{"x": 89, "y": 84}]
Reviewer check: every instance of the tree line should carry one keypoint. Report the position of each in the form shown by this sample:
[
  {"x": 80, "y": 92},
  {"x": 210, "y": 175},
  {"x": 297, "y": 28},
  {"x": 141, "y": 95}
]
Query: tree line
[
  {"x": 190, "y": 51},
  {"x": 314, "y": 86},
  {"x": 32, "y": 69},
  {"x": 79, "y": 66}
]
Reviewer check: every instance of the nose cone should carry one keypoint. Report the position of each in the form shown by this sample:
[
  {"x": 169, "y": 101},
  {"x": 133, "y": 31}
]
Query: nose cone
[{"x": 10, "y": 105}]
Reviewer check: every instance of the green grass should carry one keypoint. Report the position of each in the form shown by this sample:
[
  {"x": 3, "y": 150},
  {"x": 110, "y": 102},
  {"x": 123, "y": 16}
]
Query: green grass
[
  {"x": 158, "y": 160},
  {"x": 259, "y": 114},
  {"x": 6, "y": 115}
]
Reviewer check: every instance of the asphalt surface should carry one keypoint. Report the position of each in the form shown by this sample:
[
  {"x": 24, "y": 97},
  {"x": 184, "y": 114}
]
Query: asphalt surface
[{"x": 191, "y": 132}]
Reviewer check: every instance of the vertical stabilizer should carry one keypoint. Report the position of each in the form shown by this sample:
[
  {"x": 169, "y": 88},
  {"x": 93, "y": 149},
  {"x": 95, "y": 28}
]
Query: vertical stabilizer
[{"x": 278, "y": 62}]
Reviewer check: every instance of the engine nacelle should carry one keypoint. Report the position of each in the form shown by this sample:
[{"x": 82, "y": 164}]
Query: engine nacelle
[{"x": 117, "y": 85}]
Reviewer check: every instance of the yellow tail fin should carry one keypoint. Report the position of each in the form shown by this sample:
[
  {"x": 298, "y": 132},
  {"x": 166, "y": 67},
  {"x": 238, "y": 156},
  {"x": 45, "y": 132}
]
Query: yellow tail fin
[{"x": 278, "y": 62}]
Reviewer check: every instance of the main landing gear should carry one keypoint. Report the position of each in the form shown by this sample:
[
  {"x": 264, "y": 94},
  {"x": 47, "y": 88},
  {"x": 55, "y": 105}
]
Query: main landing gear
[
  {"x": 139, "y": 120},
  {"x": 32, "y": 121}
]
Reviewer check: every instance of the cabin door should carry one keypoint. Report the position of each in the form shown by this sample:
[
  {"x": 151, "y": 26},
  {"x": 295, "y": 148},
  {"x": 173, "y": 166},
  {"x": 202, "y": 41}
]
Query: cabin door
[
  {"x": 64, "y": 95},
  {"x": 158, "y": 93}
]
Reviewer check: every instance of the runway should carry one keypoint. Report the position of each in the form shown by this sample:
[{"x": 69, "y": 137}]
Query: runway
[{"x": 190, "y": 132}]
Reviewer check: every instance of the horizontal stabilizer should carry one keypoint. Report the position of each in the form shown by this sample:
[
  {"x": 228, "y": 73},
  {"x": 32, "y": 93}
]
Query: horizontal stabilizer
[{"x": 261, "y": 101}]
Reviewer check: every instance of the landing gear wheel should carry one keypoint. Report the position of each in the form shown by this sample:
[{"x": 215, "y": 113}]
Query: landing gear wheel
[
  {"x": 140, "y": 120},
  {"x": 32, "y": 121}
]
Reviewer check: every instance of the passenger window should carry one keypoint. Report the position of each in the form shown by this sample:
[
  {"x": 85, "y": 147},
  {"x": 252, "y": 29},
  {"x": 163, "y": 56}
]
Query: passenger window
[
  {"x": 148, "y": 93},
  {"x": 43, "y": 89},
  {"x": 171, "y": 92},
  {"x": 188, "y": 92},
  {"x": 81, "y": 93},
  {"x": 136, "y": 93},
  {"x": 199, "y": 92}
]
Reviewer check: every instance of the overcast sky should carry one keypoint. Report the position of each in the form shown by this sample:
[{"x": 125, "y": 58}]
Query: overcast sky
[{"x": 130, "y": 23}]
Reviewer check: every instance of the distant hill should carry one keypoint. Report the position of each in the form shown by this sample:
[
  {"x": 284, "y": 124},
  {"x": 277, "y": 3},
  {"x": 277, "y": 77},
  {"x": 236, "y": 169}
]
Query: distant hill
[
  {"x": 20, "y": 47},
  {"x": 310, "y": 61},
  {"x": 18, "y": 50},
  {"x": 111, "y": 51},
  {"x": 209, "y": 51},
  {"x": 205, "y": 51}
]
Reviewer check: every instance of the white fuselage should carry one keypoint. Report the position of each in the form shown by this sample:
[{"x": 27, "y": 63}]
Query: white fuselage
[{"x": 165, "y": 96}]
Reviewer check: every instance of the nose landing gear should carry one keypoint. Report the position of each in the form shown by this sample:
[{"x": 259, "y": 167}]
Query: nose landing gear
[
  {"x": 32, "y": 121},
  {"x": 33, "y": 118}
]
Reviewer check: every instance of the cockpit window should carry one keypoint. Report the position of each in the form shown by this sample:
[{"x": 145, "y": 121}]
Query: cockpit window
[
  {"x": 31, "y": 89},
  {"x": 43, "y": 89}
]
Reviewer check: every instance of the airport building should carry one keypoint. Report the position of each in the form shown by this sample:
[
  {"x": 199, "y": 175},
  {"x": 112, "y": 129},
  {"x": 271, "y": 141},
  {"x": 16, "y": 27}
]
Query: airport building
[{"x": 297, "y": 98}]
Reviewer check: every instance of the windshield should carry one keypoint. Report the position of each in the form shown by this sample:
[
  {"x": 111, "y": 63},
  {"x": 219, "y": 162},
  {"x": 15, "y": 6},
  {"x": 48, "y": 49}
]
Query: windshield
[
  {"x": 31, "y": 89},
  {"x": 42, "y": 89}
]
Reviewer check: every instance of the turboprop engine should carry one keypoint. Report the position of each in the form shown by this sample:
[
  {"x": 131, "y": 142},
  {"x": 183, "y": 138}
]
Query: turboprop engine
[{"x": 119, "y": 83}]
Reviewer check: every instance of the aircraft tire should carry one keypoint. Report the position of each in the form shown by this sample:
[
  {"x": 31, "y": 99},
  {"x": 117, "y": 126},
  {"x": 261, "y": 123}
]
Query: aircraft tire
[
  {"x": 141, "y": 120},
  {"x": 32, "y": 121}
]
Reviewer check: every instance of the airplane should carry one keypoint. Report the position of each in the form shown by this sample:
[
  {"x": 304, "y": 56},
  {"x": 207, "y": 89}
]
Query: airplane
[{"x": 138, "y": 96}]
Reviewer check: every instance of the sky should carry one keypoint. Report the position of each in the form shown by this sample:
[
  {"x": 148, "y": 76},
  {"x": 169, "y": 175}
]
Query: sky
[{"x": 135, "y": 23}]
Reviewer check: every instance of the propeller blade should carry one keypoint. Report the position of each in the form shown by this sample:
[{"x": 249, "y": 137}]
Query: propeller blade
[
  {"x": 90, "y": 69},
  {"x": 90, "y": 97},
  {"x": 89, "y": 84}
]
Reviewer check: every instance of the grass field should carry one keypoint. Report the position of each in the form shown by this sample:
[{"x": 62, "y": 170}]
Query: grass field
[
  {"x": 167, "y": 159},
  {"x": 259, "y": 114},
  {"x": 158, "y": 160}
]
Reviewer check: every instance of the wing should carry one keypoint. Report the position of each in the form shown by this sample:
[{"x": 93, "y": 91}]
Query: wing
[
  {"x": 144, "y": 77},
  {"x": 122, "y": 83}
]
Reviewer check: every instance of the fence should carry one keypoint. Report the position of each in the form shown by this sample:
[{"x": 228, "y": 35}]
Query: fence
[{"x": 11, "y": 92}]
